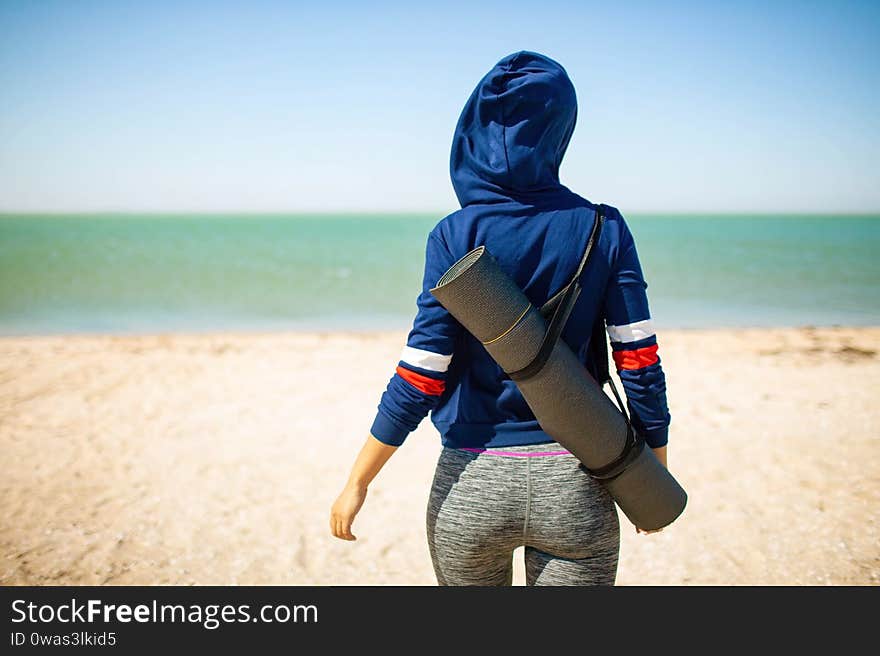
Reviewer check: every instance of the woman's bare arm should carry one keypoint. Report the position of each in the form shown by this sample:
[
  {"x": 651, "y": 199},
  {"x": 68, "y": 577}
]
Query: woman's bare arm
[
  {"x": 372, "y": 457},
  {"x": 660, "y": 452}
]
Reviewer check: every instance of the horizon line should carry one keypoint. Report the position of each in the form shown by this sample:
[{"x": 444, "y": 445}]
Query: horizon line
[{"x": 402, "y": 212}]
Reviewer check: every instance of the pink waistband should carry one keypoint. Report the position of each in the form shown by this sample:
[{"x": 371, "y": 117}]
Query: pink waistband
[{"x": 516, "y": 454}]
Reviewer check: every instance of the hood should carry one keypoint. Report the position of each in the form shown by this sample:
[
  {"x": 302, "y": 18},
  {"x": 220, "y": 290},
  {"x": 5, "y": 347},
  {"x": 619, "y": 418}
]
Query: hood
[{"x": 513, "y": 131}]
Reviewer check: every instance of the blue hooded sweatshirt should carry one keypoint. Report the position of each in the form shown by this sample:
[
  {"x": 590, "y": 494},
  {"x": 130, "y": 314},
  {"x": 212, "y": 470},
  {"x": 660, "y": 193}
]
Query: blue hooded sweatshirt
[{"x": 506, "y": 152}]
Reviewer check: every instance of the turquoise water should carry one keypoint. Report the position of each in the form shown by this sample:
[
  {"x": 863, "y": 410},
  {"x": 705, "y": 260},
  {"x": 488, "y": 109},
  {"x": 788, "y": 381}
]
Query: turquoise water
[{"x": 131, "y": 273}]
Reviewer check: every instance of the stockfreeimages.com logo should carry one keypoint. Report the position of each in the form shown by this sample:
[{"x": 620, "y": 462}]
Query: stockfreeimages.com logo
[{"x": 210, "y": 616}]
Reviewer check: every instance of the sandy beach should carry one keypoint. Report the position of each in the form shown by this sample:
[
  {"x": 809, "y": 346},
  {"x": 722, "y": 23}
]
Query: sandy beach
[{"x": 213, "y": 459}]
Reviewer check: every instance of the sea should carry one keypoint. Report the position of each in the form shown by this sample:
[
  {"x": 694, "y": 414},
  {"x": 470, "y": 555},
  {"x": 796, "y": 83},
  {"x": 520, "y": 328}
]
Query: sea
[{"x": 132, "y": 273}]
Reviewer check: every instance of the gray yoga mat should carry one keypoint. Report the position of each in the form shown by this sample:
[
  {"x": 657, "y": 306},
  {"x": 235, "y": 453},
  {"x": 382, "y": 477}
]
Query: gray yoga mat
[{"x": 567, "y": 402}]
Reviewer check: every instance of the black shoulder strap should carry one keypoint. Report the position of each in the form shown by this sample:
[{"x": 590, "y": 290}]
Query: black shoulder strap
[
  {"x": 599, "y": 349},
  {"x": 561, "y": 305}
]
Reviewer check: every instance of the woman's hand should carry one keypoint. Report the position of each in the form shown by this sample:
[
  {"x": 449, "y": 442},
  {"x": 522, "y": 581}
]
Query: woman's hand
[
  {"x": 345, "y": 509},
  {"x": 660, "y": 452},
  {"x": 372, "y": 457}
]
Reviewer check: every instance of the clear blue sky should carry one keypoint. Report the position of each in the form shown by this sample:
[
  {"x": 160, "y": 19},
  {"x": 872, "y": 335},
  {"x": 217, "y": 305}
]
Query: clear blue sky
[{"x": 276, "y": 106}]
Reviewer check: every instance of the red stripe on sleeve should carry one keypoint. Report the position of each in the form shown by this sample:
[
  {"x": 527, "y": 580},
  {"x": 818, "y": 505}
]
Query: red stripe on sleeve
[
  {"x": 430, "y": 386},
  {"x": 636, "y": 359}
]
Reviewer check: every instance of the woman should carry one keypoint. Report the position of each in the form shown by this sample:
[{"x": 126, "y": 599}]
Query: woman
[{"x": 501, "y": 482}]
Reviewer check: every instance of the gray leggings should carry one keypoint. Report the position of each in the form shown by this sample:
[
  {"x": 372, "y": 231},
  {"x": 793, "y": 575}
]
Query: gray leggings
[{"x": 484, "y": 505}]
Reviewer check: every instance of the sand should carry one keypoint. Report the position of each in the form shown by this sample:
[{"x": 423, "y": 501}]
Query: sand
[{"x": 214, "y": 459}]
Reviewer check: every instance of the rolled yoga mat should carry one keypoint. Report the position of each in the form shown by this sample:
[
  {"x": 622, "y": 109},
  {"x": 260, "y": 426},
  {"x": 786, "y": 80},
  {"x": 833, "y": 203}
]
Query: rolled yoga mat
[{"x": 567, "y": 402}]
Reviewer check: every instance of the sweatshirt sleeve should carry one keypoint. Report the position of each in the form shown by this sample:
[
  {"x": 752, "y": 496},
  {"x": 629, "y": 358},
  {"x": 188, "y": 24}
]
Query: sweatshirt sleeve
[
  {"x": 634, "y": 343},
  {"x": 420, "y": 377}
]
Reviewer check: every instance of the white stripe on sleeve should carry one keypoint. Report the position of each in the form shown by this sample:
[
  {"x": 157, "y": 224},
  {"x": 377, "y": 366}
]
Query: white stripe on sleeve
[
  {"x": 425, "y": 359},
  {"x": 631, "y": 332}
]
